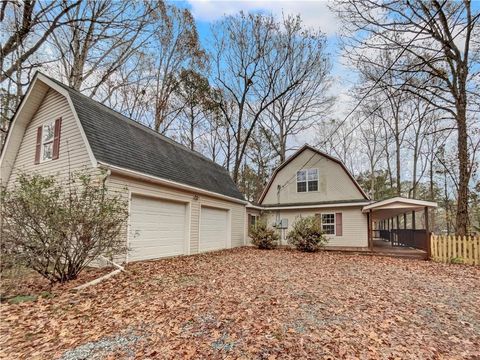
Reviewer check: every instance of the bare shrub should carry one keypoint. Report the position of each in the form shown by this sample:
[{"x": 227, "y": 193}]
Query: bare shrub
[{"x": 57, "y": 229}]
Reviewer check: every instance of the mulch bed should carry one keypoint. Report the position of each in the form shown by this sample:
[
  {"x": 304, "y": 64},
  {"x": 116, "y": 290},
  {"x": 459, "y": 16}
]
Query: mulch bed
[{"x": 247, "y": 303}]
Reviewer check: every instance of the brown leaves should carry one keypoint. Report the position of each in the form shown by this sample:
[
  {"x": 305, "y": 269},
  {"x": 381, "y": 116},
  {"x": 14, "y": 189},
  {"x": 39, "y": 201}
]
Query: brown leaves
[{"x": 246, "y": 303}]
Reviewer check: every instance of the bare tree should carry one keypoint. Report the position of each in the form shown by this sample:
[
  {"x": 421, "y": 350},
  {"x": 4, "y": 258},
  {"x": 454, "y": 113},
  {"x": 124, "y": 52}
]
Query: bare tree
[
  {"x": 370, "y": 138},
  {"x": 196, "y": 103},
  {"x": 442, "y": 38},
  {"x": 102, "y": 37},
  {"x": 249, "y": 53},
  {"x": 296, "y": 110},
  {"x": 175, "y": 46},
  {"x": 25, "y": 26}
]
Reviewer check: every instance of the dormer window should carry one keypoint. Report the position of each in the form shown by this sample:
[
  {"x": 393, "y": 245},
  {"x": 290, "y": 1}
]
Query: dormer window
[
  {"x": 48, "y": 141},
  {"x": 307, "y": 180}
]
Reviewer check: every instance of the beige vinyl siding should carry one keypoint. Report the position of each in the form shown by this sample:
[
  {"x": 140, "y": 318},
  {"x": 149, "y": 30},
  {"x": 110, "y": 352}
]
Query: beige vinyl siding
[
  {"x": 125, "y": 185},
  {"x": 355, "y": 225},
  {"x": 16, "y": 132},
  {"x": 334, "y": 183},
  {"x": 73, "y": 153}
]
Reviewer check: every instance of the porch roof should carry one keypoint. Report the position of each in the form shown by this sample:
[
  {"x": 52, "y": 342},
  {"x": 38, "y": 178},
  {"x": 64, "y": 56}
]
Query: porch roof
[{"x": 392, "y": 207}]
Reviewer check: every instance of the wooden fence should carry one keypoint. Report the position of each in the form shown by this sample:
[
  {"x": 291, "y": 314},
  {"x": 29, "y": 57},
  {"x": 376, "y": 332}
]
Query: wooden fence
[{"x": 455, "y": 249}]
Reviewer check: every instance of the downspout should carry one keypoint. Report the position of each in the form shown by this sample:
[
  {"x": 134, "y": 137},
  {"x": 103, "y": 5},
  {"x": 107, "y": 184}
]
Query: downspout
[{"x": 277, "y": 218}]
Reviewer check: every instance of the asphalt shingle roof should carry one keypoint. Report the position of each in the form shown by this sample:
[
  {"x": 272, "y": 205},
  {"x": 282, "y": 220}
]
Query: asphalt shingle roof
[{"x": 120, "y": 141}]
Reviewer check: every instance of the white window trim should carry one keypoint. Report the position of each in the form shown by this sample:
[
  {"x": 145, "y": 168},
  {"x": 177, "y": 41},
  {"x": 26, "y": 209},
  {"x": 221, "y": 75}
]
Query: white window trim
[
  {"x": 334, "y": 222},
  {"x": 306, "y": 180},
  {"x": 42, "y": 160}
]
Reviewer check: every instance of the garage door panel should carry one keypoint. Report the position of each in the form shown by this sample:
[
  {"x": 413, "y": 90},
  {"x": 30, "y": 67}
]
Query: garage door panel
[
  {"x": 157, "y": 228},
  {"x": 213, "y": 229}
]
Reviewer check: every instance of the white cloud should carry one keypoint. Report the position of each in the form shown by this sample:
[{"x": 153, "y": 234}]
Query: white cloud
[{"x": 314, "y": 13}]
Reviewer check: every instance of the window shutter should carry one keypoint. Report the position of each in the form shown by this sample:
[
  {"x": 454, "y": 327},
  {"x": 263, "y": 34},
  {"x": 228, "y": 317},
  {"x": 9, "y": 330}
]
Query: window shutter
[
  {"x": 338, "y": 224},
  {"x": 56, "y": 138},
  {"x": 249, "y": 223},
  {"x": 38, "y": 146},
  {"x": 318, "y": 218}
]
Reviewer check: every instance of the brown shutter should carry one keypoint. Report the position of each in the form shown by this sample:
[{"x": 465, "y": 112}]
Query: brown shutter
[
  {"x": 318, "y": 218},
  {"x": 249, "y": 223},
  {"x": 56, "y": 138},
  {"x": 338, "y": 224},
  {"x": 38, "y": 146}
]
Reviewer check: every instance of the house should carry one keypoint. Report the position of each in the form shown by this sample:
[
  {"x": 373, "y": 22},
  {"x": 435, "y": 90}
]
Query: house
[
  {"x": 313, "y": 183},
  {"x": 180, "y": 202}
]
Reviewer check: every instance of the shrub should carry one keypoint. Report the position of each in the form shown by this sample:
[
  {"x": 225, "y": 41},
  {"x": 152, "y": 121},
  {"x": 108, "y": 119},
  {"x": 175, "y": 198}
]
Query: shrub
[
  {"x": 263, "y": 237},
  {"x": 57, "y": 229},
  {"x": 457, "y": 260},
  {"x": 306, "y": 234}
]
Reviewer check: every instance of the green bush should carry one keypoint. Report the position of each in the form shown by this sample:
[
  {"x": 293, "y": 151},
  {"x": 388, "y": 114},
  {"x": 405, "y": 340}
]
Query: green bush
[
  {"x": 263, "y": 237},
  {"x": 58, "y": 228},
  {"x": 457, "y": 260},
  {"x": 306, "y": 234}
]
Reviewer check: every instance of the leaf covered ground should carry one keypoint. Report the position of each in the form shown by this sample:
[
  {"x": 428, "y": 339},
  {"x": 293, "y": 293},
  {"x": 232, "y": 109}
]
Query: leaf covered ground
[{"x": 247, "y": 303}]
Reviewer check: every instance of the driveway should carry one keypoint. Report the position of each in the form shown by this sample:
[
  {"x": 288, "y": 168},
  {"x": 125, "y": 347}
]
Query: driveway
[{"x": 247, "y": 303}]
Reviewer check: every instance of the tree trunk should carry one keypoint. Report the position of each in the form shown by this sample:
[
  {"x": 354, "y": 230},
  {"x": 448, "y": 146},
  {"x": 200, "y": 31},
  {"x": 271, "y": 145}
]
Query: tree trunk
[{"x": 462, "y": 199}]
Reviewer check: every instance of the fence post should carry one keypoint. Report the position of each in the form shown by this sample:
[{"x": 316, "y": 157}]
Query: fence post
[{"x": 427, "y": 234}]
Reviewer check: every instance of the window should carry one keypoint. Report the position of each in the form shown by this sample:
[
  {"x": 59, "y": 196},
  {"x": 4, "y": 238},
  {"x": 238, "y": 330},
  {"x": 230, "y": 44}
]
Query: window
[
  {"x": 307, "y": 180},
  {"x": 253, "y": 221},
  {"x": 328, "y": 224},
  {"x": 48, "y": 132}
]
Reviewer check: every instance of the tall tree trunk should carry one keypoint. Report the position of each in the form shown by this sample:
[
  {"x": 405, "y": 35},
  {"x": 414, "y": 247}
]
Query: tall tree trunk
[{"x": 462, "y": 199}]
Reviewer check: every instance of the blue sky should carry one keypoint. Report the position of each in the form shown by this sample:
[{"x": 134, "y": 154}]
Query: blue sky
[{"x": 315, "y": 14}]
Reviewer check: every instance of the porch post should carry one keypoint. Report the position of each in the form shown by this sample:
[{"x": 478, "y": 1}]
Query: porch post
[
  {"x": 391, "y": 230},
  {"x": 427, "y": 233},
  {"x": 413, "y": 220},
  {"x": 370, "y": 232},
  {"x": 405, "y": 221}
]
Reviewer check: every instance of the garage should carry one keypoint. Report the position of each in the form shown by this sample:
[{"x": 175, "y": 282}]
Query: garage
[
  {"x": 158, "y": 228},
  {"x": 214, "y": 229}
]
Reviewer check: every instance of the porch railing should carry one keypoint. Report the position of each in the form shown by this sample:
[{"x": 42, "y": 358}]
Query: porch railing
[{"x": 405, "y": 237}]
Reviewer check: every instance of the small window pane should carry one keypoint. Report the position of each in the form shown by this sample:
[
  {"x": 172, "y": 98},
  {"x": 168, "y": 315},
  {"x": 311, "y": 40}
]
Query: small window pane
[
  {"x": 313, "y": 185},
  {"x": 48, "y": 132},
  {"x": 301, "y": 175},
  {"x": 301, "y": 186},
  {"x": 328, "y": 229},
  {"x": 47, "y": 151},
  {"x": 312, "y": 174},
  {"x": 328, "y": 218}
]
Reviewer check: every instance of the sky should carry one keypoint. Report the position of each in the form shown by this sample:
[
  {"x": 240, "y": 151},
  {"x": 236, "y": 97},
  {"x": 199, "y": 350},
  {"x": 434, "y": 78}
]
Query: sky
[{"x": 314, "y": 14}]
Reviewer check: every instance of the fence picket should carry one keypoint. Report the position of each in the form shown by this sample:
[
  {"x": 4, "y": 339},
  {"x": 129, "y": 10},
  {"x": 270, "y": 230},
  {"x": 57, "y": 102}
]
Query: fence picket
[{"x": 449, "y": 248}]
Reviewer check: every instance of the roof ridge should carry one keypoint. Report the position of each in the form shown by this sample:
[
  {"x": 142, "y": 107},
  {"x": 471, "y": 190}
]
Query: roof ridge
[{"x": 134, "y": 122}]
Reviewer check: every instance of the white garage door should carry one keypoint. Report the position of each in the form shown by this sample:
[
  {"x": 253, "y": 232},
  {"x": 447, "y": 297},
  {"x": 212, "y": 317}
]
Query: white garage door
[
  {"x": 213, "y": 229},
  {"x": 157, "y": 228}
]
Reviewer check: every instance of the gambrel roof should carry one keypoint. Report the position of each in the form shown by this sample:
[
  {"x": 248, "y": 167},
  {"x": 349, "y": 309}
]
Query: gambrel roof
[
  {"x": 119, "y": 141},
  {"x": 316, "y": 151}
]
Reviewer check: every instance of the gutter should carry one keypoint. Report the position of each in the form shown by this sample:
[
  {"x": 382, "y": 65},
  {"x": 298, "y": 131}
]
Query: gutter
[
  {"x": 174, "y": 184},
  {"x": 323, "y": 206}
]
